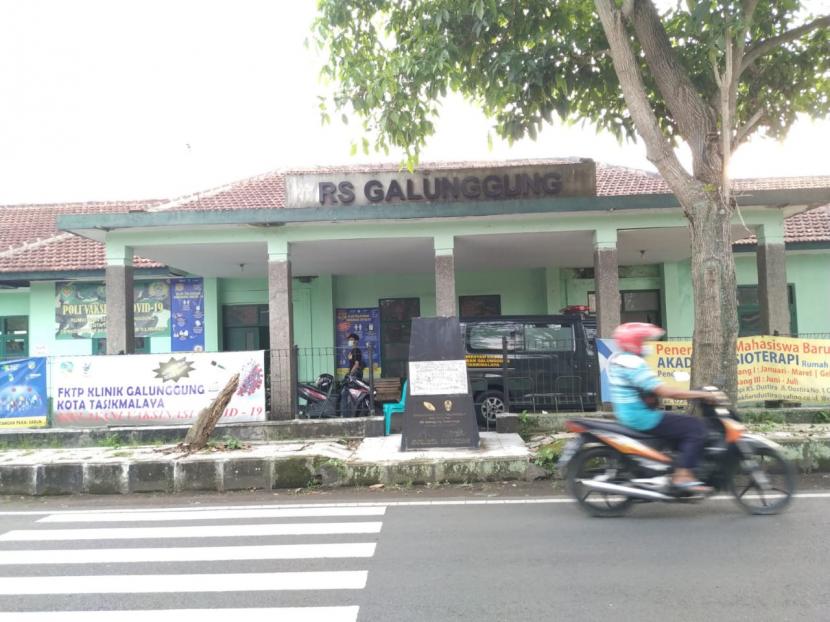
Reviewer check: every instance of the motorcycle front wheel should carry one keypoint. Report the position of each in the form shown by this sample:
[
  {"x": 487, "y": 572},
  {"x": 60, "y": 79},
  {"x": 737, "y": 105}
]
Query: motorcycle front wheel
[
  {"x": 763, "y": 483},
  {"x": 602, "y": 464}
]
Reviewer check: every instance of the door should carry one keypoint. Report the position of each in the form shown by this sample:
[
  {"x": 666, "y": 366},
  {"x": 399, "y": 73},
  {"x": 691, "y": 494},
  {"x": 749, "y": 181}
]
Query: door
[{"x": 395, "y": 326}]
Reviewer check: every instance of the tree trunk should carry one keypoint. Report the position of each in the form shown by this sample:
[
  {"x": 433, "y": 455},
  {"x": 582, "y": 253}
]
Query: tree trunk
[
  {"x": 715, "y": 295},
  {"x": 199, "y": 433}
]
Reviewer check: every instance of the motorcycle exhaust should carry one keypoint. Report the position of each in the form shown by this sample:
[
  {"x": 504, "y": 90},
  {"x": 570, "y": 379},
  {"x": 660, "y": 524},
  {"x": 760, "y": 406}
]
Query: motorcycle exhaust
[{"x": 628, "y": 491}]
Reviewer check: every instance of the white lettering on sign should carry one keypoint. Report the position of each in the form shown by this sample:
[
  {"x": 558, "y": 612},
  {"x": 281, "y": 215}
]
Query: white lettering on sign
[{"x": 438, "y": 377}]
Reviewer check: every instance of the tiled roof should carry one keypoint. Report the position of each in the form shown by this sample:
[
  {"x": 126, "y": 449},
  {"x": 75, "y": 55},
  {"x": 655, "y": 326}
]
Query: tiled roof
[
  {"x": 810, "y": 226},
  {"x": 267, "y": 191},
  {"x": 30, "y": 242}
]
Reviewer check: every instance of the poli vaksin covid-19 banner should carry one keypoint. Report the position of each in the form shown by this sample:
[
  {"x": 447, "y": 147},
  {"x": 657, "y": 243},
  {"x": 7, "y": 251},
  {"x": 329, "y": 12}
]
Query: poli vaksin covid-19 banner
[
  {"x": 769, "y": 368},
  {"x": 149, "y": 389},
  {"x": 23, "y": 400}
]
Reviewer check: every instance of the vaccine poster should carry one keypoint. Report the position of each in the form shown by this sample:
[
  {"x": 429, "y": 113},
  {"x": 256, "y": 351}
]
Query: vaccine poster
[
  {"x": 365, "y": 323},
  {"x": 23, "y": 401},
  {"x": 187, "y": 315}
]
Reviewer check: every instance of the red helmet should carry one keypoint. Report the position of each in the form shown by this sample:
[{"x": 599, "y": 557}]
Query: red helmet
[{"x": 631, "y": 335}]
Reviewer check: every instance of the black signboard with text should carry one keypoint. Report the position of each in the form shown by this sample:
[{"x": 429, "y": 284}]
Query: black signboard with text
[{"x": 439, "y": 407}]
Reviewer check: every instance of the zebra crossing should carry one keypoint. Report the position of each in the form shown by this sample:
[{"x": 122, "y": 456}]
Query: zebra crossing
[{"x": 293, "y": 564}]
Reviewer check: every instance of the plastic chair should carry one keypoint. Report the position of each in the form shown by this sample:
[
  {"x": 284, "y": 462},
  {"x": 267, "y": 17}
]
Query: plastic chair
[{"x": 397, "y": 407}]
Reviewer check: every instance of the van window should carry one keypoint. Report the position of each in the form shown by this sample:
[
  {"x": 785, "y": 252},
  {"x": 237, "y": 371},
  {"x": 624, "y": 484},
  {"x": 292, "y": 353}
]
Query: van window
[
  {"x": 488, "y": 336},
  {"x": 549, "y": 338}
]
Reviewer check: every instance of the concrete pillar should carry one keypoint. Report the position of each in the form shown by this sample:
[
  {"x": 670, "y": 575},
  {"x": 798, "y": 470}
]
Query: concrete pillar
[
  {"x": 554, "y": 290},
  {"x": 281, "y": 331},
  {"x": 773, "y": 296},
  {"x": 606, "y": 281},
  {"x": 445, "y": 303},
  {"x": 120, "y": 295}
]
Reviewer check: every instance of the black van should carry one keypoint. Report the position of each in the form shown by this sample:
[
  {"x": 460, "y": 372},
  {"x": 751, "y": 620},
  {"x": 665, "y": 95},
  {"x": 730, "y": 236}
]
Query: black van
[{"x": 538, "y": 362}]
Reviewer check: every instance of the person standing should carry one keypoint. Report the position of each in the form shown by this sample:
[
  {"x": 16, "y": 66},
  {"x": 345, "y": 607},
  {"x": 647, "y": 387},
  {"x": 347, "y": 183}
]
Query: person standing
[{"x": 355, "y": 358}]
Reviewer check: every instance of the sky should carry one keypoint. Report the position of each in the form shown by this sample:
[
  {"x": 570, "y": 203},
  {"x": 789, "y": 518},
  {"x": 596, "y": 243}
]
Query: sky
[{"x": 109, "y": 100}]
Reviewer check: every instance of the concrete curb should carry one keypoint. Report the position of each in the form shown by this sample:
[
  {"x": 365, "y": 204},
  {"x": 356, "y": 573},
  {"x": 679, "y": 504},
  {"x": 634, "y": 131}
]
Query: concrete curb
[
  {"x": 327, "y": 464},
  {"x": 267, "y": 431},
  {"x": 242, "y": 474}
]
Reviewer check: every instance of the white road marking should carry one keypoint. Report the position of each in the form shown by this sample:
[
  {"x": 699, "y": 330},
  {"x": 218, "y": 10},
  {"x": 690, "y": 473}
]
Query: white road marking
[
  {"x": 282, "y": 614},
  {"x": 272, "y": 512},
  {"x": 184, "y": 583},
  {"x": 388, "y": 504},
  {"x": 188, "y": 554},
  {"x": 202, "y": 531}
]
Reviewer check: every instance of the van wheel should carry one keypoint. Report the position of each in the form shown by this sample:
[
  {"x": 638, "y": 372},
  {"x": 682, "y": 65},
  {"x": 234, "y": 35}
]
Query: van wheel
[{"x": 488, "y": 405}]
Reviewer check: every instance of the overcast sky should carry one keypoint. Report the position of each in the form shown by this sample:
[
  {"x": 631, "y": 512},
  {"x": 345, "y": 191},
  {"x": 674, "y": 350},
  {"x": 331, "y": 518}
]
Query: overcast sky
[{"x": 108, "y": 99}]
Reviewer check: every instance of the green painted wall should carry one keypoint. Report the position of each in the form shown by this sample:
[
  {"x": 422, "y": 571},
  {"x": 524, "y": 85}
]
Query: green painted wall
[
  {"x": 14, "y": 302},
  {"x": 521, "y": 291},
  {"x": 810, "y": 272}
]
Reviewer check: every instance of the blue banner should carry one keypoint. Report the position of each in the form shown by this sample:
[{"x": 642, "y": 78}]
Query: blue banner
[
  {"x": 187, "y": 311},
  {"x": 23, "y": 401},
  {"x": 365, "y": 323}
]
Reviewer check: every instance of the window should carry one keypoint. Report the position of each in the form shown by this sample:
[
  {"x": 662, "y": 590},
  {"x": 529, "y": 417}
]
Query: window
[
  {"x": 395, "y": 328},
  {"x": 549, "y": 338},
  {"x": 245, "y": 328},
  {"x": 142, "y": 345},
  {"x": 490, "y": 336},
  {"x": 641, "y": 306},
  {"x": 749, "y": 310},
  {"x": 479, "y": 306},
  {"x": 14, "y": 337}
]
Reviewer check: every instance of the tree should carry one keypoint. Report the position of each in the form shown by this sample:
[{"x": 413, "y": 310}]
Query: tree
[{"x": 707, "y": 73}]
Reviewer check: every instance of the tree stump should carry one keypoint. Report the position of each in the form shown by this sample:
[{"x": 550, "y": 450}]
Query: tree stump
[{"x": 199, "y": 433}]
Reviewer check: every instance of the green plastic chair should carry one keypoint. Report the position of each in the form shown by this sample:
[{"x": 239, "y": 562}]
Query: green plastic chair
[{"x": 397, "y": 407}]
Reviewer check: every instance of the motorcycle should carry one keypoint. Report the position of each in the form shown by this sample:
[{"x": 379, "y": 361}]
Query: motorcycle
[
  {"x": 355, "y": 398},
  {"x": 320, "y": 397},
  {"x": 326, "y": 399},
  {"x": 609, "y": 467}
]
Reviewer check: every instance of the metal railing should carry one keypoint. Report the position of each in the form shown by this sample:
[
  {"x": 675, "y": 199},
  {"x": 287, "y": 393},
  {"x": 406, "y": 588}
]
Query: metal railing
[{"x": 554, "y": 377}]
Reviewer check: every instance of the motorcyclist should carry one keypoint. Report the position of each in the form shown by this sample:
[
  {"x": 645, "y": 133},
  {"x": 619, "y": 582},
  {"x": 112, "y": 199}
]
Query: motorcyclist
[{"x": 635, "y": 388}]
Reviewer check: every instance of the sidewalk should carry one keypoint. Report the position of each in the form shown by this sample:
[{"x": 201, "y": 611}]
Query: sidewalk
[
  {"x": 231, "y": 464},
  {"x": 298, "y": 464}
]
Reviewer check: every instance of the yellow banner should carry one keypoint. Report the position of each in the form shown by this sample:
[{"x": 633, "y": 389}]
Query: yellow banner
[
  {"x": 769, "y": 368},
  {"x": 23, "y": 422}
]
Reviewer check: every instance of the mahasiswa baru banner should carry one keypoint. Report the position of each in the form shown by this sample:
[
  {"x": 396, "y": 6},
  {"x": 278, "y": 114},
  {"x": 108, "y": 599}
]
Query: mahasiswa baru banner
[
  {"x": 155, "y": 389},
  {"x": 769, "y": 368},
  {"x": 23, "y": 402}
]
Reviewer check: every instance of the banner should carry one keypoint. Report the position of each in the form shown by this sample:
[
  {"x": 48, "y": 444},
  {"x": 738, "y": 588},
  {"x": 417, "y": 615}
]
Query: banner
[
  {"x": 81, "y": 309},
  {"x": 769, "y": 368},
  {"x": 187, "y": 310},
  {"x": 365, "y": 323},
  {"x": 150, "y": 389},
  {"x": 23, "y": 401}
]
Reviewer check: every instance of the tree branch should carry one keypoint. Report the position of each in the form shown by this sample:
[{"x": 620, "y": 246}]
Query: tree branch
[
  {"x": 658, "y": 149},
  {"x": 767, "y": 45},
  {"x": 695, "y": 118},
  {"x": 744, "y": 131}
]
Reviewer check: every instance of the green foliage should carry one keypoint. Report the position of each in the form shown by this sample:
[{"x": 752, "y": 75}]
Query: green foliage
[
  {"x": 548, "y": 455},
  {"x": 232, "y": 442},
  {"x": 113, "y": 441},
  {"x": 524, "y": 62}
]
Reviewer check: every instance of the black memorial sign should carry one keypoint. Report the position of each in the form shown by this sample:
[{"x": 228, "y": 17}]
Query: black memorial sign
[{"x": 439, "y": 407}]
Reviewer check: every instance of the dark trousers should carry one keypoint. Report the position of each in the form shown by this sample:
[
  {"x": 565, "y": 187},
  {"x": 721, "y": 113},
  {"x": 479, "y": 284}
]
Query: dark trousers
[{"x": 687, "y": 432}]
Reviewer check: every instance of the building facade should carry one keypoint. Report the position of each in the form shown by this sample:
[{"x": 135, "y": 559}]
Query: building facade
[{"x": 282, "y": 259}]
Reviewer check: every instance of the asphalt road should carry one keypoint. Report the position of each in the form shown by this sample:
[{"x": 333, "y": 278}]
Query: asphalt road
[{"x": 455, "y": 554}]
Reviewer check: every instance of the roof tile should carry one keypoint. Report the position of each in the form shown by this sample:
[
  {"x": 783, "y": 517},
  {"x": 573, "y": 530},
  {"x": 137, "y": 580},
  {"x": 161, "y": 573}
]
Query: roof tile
[{"x": 30, "y": 241}]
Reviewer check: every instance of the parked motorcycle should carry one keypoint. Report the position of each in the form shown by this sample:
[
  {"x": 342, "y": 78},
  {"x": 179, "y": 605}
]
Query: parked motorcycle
[
  {"x": 318, "y": 400},
  {"x": 326, "y": 399},
  {"x": 609, "y": 467},
  {"x": 355, "y": 398}
]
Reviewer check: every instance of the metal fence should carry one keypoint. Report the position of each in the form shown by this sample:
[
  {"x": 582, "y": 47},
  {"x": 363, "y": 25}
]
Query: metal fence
[{"x": 553, "y": 376}]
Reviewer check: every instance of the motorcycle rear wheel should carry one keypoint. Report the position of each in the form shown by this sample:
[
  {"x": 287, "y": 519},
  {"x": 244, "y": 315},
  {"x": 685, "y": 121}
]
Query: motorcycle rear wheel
[
  {"x": 751, "y": 496},
  {"x": 598, "y": 463}
]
